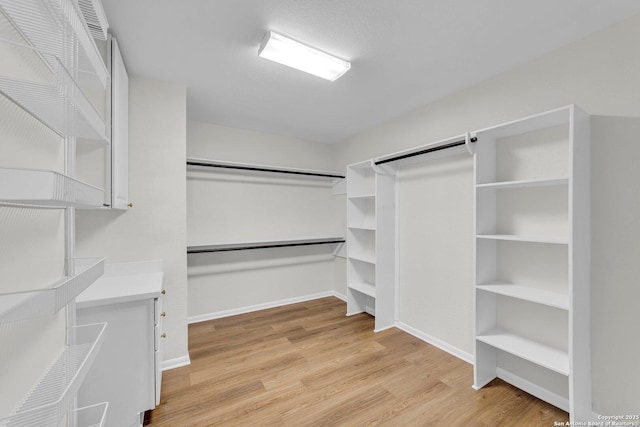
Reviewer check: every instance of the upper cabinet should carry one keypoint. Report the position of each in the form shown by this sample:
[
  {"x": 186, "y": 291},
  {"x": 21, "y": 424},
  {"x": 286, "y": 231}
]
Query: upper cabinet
[{"x": 119, "y": 129}]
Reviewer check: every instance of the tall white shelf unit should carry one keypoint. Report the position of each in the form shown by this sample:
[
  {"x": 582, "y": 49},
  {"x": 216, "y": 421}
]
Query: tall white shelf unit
[
  {"x": 532, "y": 251},
  {"x": 371, "y": 242},
  {"x": 52, "y": 71}
]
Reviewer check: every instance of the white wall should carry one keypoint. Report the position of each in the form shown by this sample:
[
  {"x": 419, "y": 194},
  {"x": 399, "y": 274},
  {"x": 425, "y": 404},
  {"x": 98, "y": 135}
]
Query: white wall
[
  {"x": 227, "y": 206},
  {"x": 601, "y": 74},
  {"x": 155, "y": 228}
]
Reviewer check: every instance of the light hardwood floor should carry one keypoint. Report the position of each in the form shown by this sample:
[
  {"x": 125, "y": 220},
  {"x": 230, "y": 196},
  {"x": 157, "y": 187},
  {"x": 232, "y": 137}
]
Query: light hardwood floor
[{"x": 307, "y": 364}]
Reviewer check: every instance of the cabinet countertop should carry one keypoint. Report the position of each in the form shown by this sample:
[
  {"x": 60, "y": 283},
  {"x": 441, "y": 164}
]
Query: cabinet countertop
[{"x": 124, "y": 282}]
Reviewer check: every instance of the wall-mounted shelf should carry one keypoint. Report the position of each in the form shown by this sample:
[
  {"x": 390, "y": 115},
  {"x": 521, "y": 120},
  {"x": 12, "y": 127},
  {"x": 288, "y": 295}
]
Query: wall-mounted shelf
[
  {"x": 53, "y": 394},
  {"x": 91, "y": 416},
  {"x": 225, "y": 247},
  {"x": 528, "y": 293},
  {"x": 25, "y": 305},
  {"x": 531, "y": 239},
  {"x": 208, "y": 163},
  {"x": 540, "y": 354},
  {"x": 52, "y": 26},
  {"x": 46, "y": 89},
  {"x": 41, "y": 188},
  {"x": 525, "y": 183},
  {"x": 364, "y": 288}
]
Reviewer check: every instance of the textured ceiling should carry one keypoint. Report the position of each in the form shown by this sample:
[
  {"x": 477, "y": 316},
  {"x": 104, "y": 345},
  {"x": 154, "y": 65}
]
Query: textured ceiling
[{"x": 404, "y": 53}]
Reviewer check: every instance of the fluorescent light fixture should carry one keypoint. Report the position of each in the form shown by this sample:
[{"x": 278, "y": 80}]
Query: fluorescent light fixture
[{"x": 294, "y": 54}]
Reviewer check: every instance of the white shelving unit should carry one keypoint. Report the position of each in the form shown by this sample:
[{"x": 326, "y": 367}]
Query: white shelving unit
[
  {"x": 53, "y": 394},
  {"x": 52, "y": 70},
  {"x": 24, "y": 305},
  {"x": 42, "y": 188},
  {"x": 533, "y": 258},
  {"x": 370, "y": 239},
  {"x": 92, "y": 416}
]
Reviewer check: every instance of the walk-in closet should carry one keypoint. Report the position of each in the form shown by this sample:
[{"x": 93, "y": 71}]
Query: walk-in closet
[{"x": 314, "y": 213}]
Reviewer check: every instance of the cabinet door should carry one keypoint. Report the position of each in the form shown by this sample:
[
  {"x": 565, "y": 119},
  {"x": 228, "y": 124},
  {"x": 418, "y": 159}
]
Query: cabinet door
[
  {"x": 123, "y": 373},
  {"x": 119, "y": 130}
]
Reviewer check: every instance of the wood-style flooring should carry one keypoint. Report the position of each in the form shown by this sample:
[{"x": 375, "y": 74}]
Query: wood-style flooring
[{"x": 308, "y": 364}]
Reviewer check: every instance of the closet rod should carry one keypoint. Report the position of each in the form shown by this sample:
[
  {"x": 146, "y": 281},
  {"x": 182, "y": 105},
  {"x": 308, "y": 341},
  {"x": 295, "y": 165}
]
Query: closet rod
[
  {"x": 262, "y": 169},
  {"x": 213, "y": 248},
  {"x": 425, "y": 151}
]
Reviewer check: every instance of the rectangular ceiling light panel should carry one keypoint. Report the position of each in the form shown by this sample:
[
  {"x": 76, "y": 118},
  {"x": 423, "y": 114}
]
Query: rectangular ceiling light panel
[{"x": 294, "y": 54}]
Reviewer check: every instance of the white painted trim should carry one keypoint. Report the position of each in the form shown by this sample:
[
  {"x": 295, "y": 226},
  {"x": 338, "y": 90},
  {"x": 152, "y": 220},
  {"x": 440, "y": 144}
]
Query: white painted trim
[
  {"x": 436, "y": 342},
  {"x": 176, "y": 363},
  {"x": 338, "y": 295},
  {"x": 384, "y": 329},
  {"x": 534, "y": 389},
  {"x": 258, "y": 307}
]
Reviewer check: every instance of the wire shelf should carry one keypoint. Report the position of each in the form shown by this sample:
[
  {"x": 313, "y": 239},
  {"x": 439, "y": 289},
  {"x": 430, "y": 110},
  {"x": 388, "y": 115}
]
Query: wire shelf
[
  {"x": 91, "y": 416},
  {"x": 26, "y": 305},
  {"x": 41, "y": 85},
  {"x": 53, "y": 26},
  {"x": 42, "y": 188},
  {"x": 53, "y": 394}
]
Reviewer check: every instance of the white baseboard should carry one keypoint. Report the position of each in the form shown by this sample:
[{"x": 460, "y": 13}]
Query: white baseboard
[
  {"x": 534, "y": 389},
  {"x": 338, "y": 295},
  {"x": 258, "y": 307},
  {"x": 436, "y": 342},
  {"x": 176, "y": 363}
]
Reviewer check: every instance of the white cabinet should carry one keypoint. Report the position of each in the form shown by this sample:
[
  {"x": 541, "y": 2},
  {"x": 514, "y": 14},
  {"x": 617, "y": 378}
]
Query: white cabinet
[
  {"x": 533, "y": 259},
  {"x": 128, "y": 371},
  {"x": 371, "y": 242},
  {"x": 119, "y": 129}
]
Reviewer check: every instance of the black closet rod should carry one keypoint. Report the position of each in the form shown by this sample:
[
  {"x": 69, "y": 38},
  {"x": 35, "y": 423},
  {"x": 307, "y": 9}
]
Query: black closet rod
[
  {"x": 426, "y": 150},
  {"x": 254, "y": 168},
  {"x": 258, "y": 246}
]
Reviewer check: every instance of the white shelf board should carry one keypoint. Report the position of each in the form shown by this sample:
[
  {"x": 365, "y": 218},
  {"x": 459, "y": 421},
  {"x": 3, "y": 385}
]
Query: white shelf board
[
  {"x": 369, "y": 259},
  {"x": 223, "y": 164},
  {"x": 546, "y": 119},
  {"x": 362, "y": 196},
  {"x": 50, "y": 93},
  {"x": 262, "y": 244},
  {"x": 363, "y": 227},
  {"x": 527, "y": 293},
  {"x": 363, "y": 288},
  {"x": 91, "y": 416},
  {"x": 31, "y": 304},
  {"x": 525, "y": 183},
  {"x": 53, "y": 394},
  {"x": 42, "y": 188},
  {"x": 365, "y": 164},
  {"x": 540, "y": 354},
  {"x": 530, "y": 239}
]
